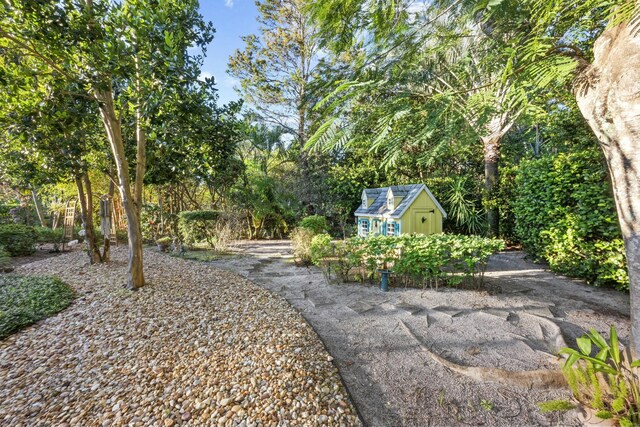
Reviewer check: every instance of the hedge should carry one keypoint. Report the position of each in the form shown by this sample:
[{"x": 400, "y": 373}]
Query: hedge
[
  {"x": 18, "y": 239},
  {"x": 414, "y": 260},
  {"x": 565, "y": 215}
]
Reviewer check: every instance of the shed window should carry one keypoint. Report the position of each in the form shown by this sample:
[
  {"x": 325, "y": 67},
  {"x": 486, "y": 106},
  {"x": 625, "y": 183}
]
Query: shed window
[
  {"x": 364, "y": 201},
  {"x": 390, "y": 201},
  {"x": 391, "y": 229},
  {"x": 364, "y": 227}
]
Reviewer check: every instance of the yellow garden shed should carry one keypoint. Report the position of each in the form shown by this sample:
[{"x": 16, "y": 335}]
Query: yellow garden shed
[{"x": 399, "y": 209}]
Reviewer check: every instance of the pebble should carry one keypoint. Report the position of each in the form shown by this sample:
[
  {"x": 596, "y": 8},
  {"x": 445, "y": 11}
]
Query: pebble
[{"x": 196, "y": 346}]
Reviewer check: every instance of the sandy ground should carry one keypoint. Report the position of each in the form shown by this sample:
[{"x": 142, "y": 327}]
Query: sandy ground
[{"x": 510, "y": 324}]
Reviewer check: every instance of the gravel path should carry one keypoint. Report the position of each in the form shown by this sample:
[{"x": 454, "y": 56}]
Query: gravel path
[
  {"x": 512, "y": 325},
  {"x": 197, "y": 346}
]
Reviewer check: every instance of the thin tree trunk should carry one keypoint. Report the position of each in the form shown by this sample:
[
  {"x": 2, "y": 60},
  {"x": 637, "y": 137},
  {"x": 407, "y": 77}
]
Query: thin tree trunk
[
  {"x": 38, "y": 205},
  {"x": 106, "y": 251},
  {"x": 135, "y": 277},
  {"x": 608, "y": 95},
  {"x": 141, "y": 160},
  {"x": 85, "y": 196}
]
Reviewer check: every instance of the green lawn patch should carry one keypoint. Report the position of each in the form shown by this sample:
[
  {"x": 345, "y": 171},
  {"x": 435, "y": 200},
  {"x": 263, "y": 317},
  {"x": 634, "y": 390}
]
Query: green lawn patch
[{"x": 25, "y": 300}]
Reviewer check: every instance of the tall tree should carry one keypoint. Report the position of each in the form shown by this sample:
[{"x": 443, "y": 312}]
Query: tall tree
[
  {"x": 276, "y": 67},
  {"x": 423, "y": 62},
  {"x": 108, "y": 49},
  {"x": 594, "y": 46}
]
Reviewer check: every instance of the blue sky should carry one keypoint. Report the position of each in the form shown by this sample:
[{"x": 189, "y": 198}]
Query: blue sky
[{"x": 231, "y": 19}]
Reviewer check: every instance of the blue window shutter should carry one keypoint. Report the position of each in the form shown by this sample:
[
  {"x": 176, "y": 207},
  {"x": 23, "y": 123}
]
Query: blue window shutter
[{"x": 397, "y": 229}]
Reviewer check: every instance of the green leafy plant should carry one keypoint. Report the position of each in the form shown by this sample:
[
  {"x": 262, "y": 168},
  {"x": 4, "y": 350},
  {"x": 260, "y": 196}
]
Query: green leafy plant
[
  {"x": 198, "y": 226},
  {"x": 607, "y": 381},
  {"x": 18, "y": 239},
  {"x": 565, "y": 215},
  {"x": 27, "y": 299},
  {"x": 164, "y": 241},
  {"x": 555, "y": 406},
  {"x": 5, "y": 258},
  {"x": 49, "y": 235},
  {"x": 415, "y": 260},
  {"x": 316, "y": 223}
]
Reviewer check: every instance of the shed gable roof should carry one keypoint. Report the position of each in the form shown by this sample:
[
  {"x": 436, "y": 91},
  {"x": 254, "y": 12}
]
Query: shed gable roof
[{"x": 409, "y": 194}]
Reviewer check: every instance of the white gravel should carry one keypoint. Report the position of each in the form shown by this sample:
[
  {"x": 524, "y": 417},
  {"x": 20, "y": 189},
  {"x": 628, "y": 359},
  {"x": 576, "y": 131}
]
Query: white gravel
[{"x": 197, "y": 346}]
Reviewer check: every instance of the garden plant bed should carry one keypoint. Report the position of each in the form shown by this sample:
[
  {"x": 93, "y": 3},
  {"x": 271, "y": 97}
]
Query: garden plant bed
[
  {"x": 196, "y": 346},
  {"x": 384, "y": 343}
]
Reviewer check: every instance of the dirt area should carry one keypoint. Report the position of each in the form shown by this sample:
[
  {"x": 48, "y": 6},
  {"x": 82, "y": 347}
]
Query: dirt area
[{"x": 381, "y": 341}]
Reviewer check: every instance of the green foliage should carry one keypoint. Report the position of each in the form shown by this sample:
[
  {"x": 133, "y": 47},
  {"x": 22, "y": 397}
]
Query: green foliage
[
  {"x": 565, "y": 215},
  {"x": 316, "y": 223},
  {"x": 18, "y": 239},
  {"x": 320, "y": 248},
  {"x": 25, "y": 300},
  {"x": 415, "y": 260},
  {"x": 301, "y": 239},
  {"x": 5, "y": 257},
  {"x": 49, "y": 235},
  {"x": 165, "y": 241},
  {"x": 198, "y": 226},
  {"x": 555, "y": 405},
  {"x": 607, "y": 381},
  {"x": 5, "y": 215}
]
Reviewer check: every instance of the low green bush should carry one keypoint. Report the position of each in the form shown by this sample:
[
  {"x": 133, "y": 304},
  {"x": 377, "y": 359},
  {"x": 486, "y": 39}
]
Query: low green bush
[
  {"x": 18, "y": 239},
  {"x": 320, "y": 248},
  {"x": 198, "y": 226},
  {"x": 565, "y": 215},
  {"x": 49, "y": 235},
  {"x": 5, "y": 258},
  {"x": 316, "y": 223},
  {"x": 26, "y": 299},
  {"x": 415, "y": 260}
]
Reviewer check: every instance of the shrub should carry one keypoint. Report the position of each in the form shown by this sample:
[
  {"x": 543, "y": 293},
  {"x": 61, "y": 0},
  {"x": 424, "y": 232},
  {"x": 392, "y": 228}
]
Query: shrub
[
  {"x": 198, "y": 226},
  {"x": 320, "y": 248},
  {"x": 415, "y": 260},
  {"x": 565, "y": 215},
  {"x": 166, "y": 241},
  {"x": 48, "y": 235},
  {"x": 316, "y": 223},
  {"x": 5, "y": 258},
  {"x": 25, "y": 300},
  {"x": 18, "y": 239},
  {"x": 301, "y": 243}
]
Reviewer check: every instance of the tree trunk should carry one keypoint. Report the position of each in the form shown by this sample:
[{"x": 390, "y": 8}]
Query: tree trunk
[
  {"x": 106, "y": 251},
  {"x": 85, "y": 196},
  {"x": 135, "y": 278},
  {"x": 608, "y": 94},
  {"x": 495, "y": 130},
  {"x": 38, "y": 205},
  {"x": 491, "y": 158},
  {"x": 141, "y": 160}
]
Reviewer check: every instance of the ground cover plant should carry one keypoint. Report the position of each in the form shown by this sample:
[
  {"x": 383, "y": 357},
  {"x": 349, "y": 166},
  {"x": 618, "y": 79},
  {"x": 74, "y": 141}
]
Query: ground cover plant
[
  {"x": 607, "y": 382},
  {"x": 414, "y": 260},
  {"x": 25, "y": 300}
]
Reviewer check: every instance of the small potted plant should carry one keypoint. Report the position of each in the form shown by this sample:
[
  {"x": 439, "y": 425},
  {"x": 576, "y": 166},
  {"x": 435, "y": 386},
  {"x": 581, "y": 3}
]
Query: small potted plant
[{"x": 163, "y": 243}]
